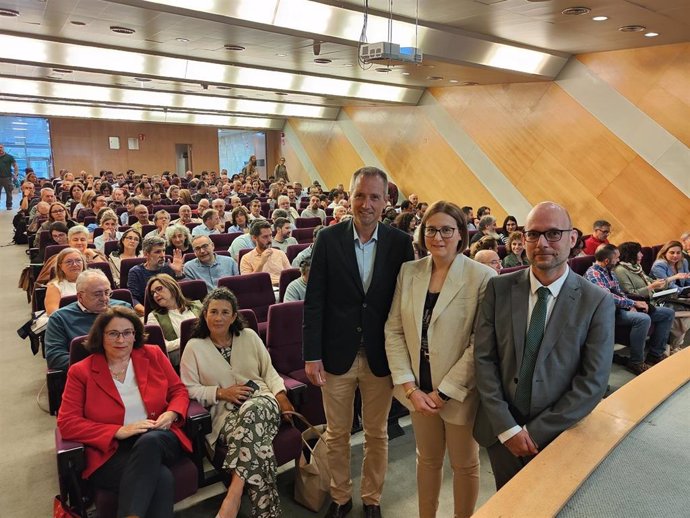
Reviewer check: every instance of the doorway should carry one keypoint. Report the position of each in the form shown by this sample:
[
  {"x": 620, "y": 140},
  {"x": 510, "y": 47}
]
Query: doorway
[{"x": 183, "y": 159}]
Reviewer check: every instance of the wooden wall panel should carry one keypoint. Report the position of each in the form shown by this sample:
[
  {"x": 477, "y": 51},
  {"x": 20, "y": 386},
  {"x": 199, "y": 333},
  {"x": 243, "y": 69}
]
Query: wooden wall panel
[
  {"x": 419, "y": 158},
  {"x": 655, "y": 79},
  {"x": 329, "y": 150},
  {"x": 296, "y": 170},
  {"x": 82, "y": 144}
]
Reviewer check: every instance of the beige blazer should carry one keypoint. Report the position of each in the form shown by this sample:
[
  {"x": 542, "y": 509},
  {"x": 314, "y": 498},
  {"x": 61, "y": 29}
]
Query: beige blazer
[{"x": 450, "y": 333}]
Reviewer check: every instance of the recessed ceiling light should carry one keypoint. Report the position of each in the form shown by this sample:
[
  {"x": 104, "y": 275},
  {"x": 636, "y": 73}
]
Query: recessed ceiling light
[
  {"x": 77, "y": 23},
  {"x": 453, "y": 81},
  {"x": 651, "y": 34},
  {"x": 405, "y": 73},
  {"x": 349, "y": 65},
  {"x": 142, "y": 79},
  {"x": 576, "y": 11},
  {"x": 384, "y": 69},
  {"x": 632, "y": 28},
  {"x": 8, "y": 12},
  {"x": 233, "y": 47},
  {"x": 281, "y": 55},
  {"x": 434, "y": 78},
  {"x": 322, "y": 61},
  {"x": 600, "y": 18},
  {"x": 469, "y": 83},
  {"x": 121, "y": 30},
  {"x": 182, "y": 40}
]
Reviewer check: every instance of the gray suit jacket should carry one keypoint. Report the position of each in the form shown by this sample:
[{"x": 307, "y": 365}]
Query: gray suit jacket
[{"x": 573, "y": 364}]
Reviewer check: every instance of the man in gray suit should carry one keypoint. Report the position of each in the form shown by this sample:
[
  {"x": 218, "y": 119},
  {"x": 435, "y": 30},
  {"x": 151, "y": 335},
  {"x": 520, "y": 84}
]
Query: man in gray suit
[{"x": 543, "y": 347}]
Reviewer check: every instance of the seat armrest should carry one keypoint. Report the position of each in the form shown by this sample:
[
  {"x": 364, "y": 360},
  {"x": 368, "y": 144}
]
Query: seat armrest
[
  {"x": 295, "y": 389},
  {"x": 55, "y": 381},
  {"x": 198, "y": 420},
  {"x": 70, "y": 454}
]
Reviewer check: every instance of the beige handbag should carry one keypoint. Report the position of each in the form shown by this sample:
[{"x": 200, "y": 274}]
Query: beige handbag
[{"x": 312, "y": 476}]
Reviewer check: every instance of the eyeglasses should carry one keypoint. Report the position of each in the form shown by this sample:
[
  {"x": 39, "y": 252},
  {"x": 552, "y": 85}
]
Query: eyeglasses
[
  {"x": 202, "y": 247},
  {"x": 100, "y": 294},
  {"x": 446, "y": 232},
  {"x": 57, "y": 211},
  {"x": 126, "y": 334},
  {"x": 552, "y": 235},
  {"x": 72, "y": 262},
  {"x": 132, "y": 238}
]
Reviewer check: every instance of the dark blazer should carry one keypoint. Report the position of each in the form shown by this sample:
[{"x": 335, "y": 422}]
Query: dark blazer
[
  {"x": 573, "y": 363},
  {"x": 338, "y": 315},
  {"x": 92, "y": 410}
]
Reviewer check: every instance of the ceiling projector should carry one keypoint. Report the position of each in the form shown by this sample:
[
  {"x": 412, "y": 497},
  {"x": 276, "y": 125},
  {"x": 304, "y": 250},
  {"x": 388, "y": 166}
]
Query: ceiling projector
[{"x": 389, "y": 53}]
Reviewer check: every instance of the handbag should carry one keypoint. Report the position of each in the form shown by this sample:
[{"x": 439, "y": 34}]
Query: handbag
[
  {"x": 62, "y": 510},
  {"x": 312, "y": 476}
]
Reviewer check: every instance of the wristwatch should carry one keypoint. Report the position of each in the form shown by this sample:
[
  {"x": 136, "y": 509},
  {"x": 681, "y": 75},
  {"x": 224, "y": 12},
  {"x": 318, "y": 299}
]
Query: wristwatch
[{"x": 443, "y": 396}]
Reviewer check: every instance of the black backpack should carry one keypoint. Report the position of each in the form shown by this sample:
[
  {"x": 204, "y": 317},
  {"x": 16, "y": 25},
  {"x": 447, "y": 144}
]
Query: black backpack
[{"x": 19, "y": 223}]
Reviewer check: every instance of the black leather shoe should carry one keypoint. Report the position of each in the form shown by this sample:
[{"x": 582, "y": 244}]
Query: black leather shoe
[
  {"x": 372, "y": 511},
  {"x": 338, "y": 510}
]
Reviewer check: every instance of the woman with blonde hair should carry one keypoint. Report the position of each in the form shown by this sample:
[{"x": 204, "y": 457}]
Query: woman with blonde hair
[
  {"x": 430, "y": 349},
  {"x": 68, "y": 265},
  {"x": 185, "y": 197},
  {"x": 517, "y": 256},
  {"x": 107, "y": 220}
]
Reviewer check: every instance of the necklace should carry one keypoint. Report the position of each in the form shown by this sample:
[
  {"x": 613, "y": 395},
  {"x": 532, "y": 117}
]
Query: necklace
[
  {"x": 225, "y": 345},
  {"x": 117, "y": 374}
]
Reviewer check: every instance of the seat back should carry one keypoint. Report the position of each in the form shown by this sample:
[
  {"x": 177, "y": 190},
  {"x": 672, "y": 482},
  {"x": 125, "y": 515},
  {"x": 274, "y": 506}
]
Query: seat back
[
  {"x": 242, "y": 253},
  {"x": 294, "y": 250},
  {"x": 304, "y": 235},
  {"x": 109, "y": 247},
  {"x": 284, "y": 336},
  {"x": 647, "y": 258},
  {"x": 155, "y": 337},
  {"x": 221, "y": 242},
  {"x": 43, "y": 239},
  {"x": 580, "y": 264},
  {"x": 186, "y": 328},
  {"x": 502, "y": 252},
  {"x": 125, "y": 266},
  {"x": 250, "y": 318},
  {"x": 513, "y": 269},
  {"x": 286, "y": 277},
  {"x": 52, "y": 250},
  {"x": 253, "y": 291},
  {"x": 307, "y": 222},
  {"x": 105, "y": 268},
  {"x": 194, "y": 289}
]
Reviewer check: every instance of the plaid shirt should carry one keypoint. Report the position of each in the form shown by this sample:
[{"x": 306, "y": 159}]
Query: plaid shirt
[{"x": 605, "y": 279}]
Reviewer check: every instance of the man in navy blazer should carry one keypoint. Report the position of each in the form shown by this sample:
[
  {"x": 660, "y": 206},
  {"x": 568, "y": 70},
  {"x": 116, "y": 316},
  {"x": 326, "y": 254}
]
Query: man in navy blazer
[
  {"x": 354, "y": 269},
  {"x": 543, "y": 347}
]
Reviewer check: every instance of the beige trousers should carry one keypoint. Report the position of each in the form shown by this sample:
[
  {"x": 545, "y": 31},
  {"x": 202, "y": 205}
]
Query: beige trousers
[
  {"x": 338, "y": 400},
  {"x": 434, "y": 437}
]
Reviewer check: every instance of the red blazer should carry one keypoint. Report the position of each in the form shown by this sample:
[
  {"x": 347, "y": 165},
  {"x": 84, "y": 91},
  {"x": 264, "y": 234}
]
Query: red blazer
[{"x": 92, "y": 411}]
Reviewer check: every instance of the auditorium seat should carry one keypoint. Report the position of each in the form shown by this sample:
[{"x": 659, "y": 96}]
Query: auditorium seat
[
  {"x": 580, "y": 264},
  {"x": 125, "y": 266},
  {"x": 304, "y": 235},
  {"x": 512, "y": 269},
  {"x": 105, "y": 268},
  {"x": 253, "y": 291},
  {"x": 294, "y": 250},
  {"x": 223, "y": 241},
  {"x": 286, "y": 277},
  {"x": 307, "y": 222}
]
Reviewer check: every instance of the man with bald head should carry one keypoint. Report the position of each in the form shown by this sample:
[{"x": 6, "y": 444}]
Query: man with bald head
[
  {"x": 543, "y": 347},
  {"x": 489, "y": 258}
]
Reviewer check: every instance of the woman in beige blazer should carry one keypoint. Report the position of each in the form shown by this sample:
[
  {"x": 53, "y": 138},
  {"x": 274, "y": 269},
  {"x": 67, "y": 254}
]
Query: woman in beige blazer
[{"x": 429, "y": 344}]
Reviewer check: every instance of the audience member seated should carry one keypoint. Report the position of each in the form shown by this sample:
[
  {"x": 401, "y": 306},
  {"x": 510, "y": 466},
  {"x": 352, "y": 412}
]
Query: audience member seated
[
  {"x": 314, "y": 210},
  {"x": 338, "y": 214},
  {"x": 77, "y": 237},
  {"x": 185, "y": 216},
  {"x": 141, "y": 212},
  {"x": 305, "y": 255},
  {"x": 264, "y": 258},
  {"x": 486, "y": 227},
  {"x": 57, "y": 212},
  {"x": 109, "y": 223},
  {"x": 208, "y": 266},
  {"x": 131, "y": 205},
  {"x": 162, "y": 220},
  {"x": 40, "y": 217},
  {"x": 671, "y": 265},
  {"x": 255, "y": 210},
  {"x": 46, "y": 195},
  {"x": 28, "y": 191},
  {"x": 685, "y": 241},
  {"x": 282, "y": 238},
  {"x": 217, "y": 365},
  {"x": 154, "y": 252},
  {"x": 297, "y": 289},
  {"x": 76, "y": 193},
  {"x": 179, "y": 238},
  {"x": 95, "y": 203},
  {"x": 517, "y": 256},
  {"x": 76, "y": 319},
  {"x": 469, "y": 216},
  {"x": 578, "y": 249},
  {"x": 69, "y": 264},
  {"x": 284, "y": 203},
  {"x": 510, "y": 225},
  {"x": 635, "y": 282},
  {"x": 57, "y": 236},
  {"x": 239, "y": 218},
  {"x": 169, "y": 307},
  {"x": 634, "y": 313},
  {"x": 485, "y": 243},
  {"x": 406, "y": 221},
  {"x": 219, "y": 206},
  {"x": 600, "y": 233},
  {"x": 129, "y": 247},
  {"x": 127, "y": 405},
  {"x": 489, "y": 258},
  {"x": 209, "y": 224},
  {"x": 240, "y": 243}
]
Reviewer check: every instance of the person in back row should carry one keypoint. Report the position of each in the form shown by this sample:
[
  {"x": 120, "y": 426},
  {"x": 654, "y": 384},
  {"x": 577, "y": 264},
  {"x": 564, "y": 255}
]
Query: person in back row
[
  {"x": 282, "y": 238},
  {"x": 600, "y": 236},
  {"x": 264, "y": 258},
  {"x": 297, "y": 289}
]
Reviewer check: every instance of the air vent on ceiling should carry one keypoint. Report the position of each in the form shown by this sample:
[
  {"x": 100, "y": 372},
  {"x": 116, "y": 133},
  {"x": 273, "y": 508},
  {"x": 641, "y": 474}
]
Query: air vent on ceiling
[
  {"x": 8, "y": 12},
  {"x": 576, "y": 11},
  {"x": 384, "y": 70},
  {"x": 435, "y": 78},
  {"x": 77, "y": 23},
  {"x": 233, "y": 47},
  {"x": 632, "y": 28},
  {"x": 121, "y": 30},
  {"x": 322, "y": 61},
  {"x": 142, "y": 79},
  {"x": 62, "y": 71},
  {"x": 224, "y": 87}
]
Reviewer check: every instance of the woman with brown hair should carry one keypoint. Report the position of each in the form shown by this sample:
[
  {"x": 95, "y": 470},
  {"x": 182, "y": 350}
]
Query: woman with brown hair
[
  {"x": 671, "y": 265},
  {"x": 57, "y": 212},
  {"x": 430, "y": 349},
  {"x": 517, "y": 256},
  {"x": 129, "y": 247}
]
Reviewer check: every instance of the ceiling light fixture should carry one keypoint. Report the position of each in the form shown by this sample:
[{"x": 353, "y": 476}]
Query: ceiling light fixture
[
  {"x": 322, "y": 61},
  {"x": 77, "y": 23},
  {"x": 8, "y": 12},
  {"x": 651, "y": 34},
  {"x": 468, "y": 83},
  {"x": 435, "y": 78},
  {"x": 453, "y": 81},
  {"x": 142, "y": 79},
  {"x": 632, "y": 28},
  {"x": 384, "y": 70},
  {"x": 223, "y": 87},
  {"x": 182, "y": 40},
  {"x": 600, "y": 18},
  {"x": 237, "y": 48},
  {"x": 576, "y": 11},
  {"x": 281, "y": 55},
  {"x": 405, "y": 73},
  {"x": 121, "y": 30}
]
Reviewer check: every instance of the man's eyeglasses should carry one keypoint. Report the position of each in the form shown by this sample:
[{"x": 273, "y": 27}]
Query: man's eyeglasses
[
  {"x": 552, "y": 235},
  {"x": 126, "y": 334},
  {"x": 100, "y": 294},
  {"x": 202, "y": 247},
  {"x": 446, "y": 232}
]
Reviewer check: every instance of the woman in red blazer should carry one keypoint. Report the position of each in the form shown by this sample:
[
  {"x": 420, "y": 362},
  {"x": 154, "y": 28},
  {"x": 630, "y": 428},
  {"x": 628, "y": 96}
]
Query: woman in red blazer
[{"x": 127, "y": 405}]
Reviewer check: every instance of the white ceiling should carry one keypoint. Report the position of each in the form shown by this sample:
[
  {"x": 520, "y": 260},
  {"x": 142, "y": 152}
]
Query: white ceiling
[{"x": 275, "y": 77}]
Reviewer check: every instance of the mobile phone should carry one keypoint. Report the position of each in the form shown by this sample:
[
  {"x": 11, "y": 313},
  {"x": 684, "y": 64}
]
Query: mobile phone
[{"x": 252, "y": 385}]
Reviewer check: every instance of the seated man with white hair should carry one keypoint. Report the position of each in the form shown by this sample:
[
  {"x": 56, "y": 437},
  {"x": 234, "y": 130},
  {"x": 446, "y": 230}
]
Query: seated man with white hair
[
  {"x": 489, "y": 258},
  {"x": 284, "y": 203}
]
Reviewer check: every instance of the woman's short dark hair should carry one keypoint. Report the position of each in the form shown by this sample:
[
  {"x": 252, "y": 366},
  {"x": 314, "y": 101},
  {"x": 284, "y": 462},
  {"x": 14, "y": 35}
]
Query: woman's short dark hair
[
  {"x": 201, "y": 329},
  {"x": 236, "y": 211},
  {"x": 121, "y": 243},
  {"x": 94, "y": 342},
  {"x": 455, "y": 212},
  {"x": 183, "y": 303},
  {"x": 629, "y": 251},
  {"x": 403, "y": 221}
]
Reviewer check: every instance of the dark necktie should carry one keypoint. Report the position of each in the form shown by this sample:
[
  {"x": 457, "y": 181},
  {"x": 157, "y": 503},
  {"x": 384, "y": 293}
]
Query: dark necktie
[{"x": 535, "y": 333}]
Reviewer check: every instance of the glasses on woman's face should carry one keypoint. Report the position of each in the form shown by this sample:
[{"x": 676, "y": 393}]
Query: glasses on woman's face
[
  {"x": 446, "y": 232},
  {"x": 131, "y": 238},
  {"x": 72, "y": 262},
  {"x": 115, "y": 335},
  {"x": 57, "y": 211}
]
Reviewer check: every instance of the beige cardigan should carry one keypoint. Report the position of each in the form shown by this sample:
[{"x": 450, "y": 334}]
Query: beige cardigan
[
  {"x": 203, "y": 369},
  {"x": 450, "y": 333}
]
